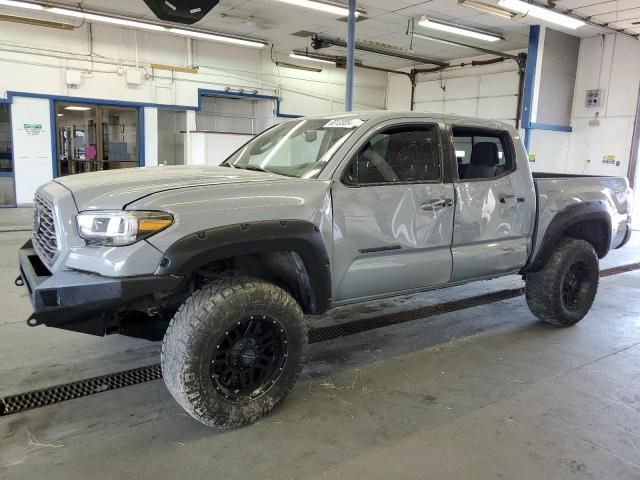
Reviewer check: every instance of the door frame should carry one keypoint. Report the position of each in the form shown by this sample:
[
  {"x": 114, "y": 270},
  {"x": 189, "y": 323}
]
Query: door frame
[
  {"x": 12, "y": 173},
  {"x": 99, "y": 104}
]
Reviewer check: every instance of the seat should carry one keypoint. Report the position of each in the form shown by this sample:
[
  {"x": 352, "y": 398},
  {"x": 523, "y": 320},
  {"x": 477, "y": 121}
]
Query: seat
[{"x": 484, "y": 161}]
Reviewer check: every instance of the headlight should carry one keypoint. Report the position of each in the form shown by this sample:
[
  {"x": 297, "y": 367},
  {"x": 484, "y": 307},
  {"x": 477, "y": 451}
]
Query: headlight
[{"x": 120, "y": 228}]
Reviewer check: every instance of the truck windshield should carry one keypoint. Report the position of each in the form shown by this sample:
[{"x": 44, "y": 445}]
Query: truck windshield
[{"x": 298, "y": 148}]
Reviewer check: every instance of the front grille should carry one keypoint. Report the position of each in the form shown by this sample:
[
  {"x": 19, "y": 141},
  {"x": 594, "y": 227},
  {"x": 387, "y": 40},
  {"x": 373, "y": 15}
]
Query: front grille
[{"x": 45, "y": 239}]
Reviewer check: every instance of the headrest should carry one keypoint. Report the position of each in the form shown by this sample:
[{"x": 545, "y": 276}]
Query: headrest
[{"x": 484, "y": 154}]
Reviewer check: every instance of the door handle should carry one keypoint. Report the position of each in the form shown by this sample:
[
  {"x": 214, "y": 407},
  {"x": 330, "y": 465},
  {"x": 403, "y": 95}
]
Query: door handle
[
  {"x": 437, "y": 204},
  {"x": 504, "y": 199}
]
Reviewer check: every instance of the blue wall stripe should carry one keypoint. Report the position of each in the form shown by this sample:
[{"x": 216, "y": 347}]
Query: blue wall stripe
[
  {"x": 547, "y": 126},
  {"x": 12, "y": 158},
  {"x": 141, "y": 146},
  {"x": 54, "y": 137}
]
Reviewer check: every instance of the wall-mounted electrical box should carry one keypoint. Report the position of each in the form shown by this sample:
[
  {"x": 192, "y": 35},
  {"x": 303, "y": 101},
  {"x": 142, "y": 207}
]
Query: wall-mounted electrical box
[
  {"x": 594, "y": 98},
  {"x": 74, "y": 78},
  {"x": 134, "y": 76}
]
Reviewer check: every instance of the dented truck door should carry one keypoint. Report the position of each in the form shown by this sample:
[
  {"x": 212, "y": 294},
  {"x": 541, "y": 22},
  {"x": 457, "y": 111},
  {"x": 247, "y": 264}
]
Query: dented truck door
[
  {"x": 393, "y": 213},
  {"x": 495, "y": 203}
]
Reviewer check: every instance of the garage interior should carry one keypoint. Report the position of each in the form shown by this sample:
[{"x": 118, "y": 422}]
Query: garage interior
[{"x": 461, "y": 383}]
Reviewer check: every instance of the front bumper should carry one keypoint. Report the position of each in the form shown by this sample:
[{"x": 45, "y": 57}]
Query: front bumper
[{"x": 79, "y": 301}]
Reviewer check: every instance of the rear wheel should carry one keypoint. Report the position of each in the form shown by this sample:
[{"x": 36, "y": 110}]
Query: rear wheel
[
  {"x": 233, "y": 351},
  {"x": 564, "y": 290}
]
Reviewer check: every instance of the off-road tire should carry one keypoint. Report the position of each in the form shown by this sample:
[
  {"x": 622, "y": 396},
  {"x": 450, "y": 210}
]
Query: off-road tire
[
  {"x": 195, "y": 330},
  {"x": 544, "y": 289}
]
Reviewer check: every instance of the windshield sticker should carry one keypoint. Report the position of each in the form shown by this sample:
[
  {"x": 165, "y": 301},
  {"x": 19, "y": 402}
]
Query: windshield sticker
[{"x": 344, "y": 123}]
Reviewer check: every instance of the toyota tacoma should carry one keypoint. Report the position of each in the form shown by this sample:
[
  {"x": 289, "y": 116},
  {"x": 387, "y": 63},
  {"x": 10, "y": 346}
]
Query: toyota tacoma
[{"x": 224, "y": 262}]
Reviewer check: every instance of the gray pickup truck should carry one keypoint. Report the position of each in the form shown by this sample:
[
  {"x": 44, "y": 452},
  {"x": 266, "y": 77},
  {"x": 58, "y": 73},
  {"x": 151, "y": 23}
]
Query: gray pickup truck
[{"x": 225, "y": 262}]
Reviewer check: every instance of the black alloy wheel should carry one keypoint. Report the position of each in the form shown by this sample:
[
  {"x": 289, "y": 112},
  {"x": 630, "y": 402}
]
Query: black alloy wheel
[{"x": 249, "y": 358}]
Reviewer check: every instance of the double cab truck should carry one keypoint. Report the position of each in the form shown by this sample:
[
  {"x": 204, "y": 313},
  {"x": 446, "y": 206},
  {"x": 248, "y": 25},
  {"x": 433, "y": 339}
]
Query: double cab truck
[{"x": 225, "y": 262}]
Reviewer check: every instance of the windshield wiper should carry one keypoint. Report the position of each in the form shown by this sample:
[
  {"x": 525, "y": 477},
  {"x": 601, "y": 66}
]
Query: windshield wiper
[{"x": 255, "y": 168}]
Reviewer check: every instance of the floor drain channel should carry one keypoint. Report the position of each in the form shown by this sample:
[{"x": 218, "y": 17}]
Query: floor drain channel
[{"x": 83, "y": 388}]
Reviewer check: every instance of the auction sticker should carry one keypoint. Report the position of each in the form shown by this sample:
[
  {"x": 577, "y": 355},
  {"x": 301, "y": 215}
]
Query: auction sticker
[{"x": 344, "y": 123}]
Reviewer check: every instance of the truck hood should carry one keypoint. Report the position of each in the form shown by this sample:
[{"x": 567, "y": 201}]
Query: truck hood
[{"x": 116, "y": 188}]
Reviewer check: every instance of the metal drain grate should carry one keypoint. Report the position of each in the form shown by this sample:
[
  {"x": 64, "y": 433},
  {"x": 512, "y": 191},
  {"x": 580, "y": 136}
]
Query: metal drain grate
[
  {"x": 621, "y": 269},
  {"x": 83, "y": 388}
]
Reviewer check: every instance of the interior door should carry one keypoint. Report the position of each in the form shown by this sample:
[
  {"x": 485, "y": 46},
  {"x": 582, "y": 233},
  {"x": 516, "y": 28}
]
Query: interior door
[
  {"x": 393, "y": 215},
  {"x": 493, "y": 210}
]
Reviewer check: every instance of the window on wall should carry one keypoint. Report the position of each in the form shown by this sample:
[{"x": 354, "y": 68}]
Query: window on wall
[
  {"x": 398, "y": 155},
  {"x": 482, "y": 154},
  {"x": 172, "y": 126},
  {"x": 96, "y": 137},
  {"x": 235, "y": 115}
]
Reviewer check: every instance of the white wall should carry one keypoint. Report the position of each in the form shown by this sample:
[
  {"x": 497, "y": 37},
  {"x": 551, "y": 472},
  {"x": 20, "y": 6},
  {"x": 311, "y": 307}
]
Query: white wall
[
  {"x": 150, "y": 136},
  {"x": 612, "y": 63},
  {"x": 608, "y": 62},
  {"x": 36, "y": 60},
  {"x": 209, "y": 148}
]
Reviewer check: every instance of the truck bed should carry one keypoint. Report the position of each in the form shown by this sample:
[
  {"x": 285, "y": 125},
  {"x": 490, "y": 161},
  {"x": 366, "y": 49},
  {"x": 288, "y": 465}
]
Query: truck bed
[{"x": 557, "y": 192}]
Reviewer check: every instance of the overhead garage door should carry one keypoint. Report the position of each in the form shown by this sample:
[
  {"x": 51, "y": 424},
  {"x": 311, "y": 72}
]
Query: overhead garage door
[{"x": 493, "y": 95}]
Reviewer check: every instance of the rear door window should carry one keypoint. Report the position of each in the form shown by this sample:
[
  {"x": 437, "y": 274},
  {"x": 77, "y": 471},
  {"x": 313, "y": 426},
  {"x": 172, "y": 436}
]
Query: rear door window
[{"x": 482, "y": 154}]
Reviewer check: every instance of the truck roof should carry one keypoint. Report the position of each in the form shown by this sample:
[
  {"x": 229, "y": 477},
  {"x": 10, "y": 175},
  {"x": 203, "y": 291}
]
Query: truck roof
[{"x": 392, "y": 114}]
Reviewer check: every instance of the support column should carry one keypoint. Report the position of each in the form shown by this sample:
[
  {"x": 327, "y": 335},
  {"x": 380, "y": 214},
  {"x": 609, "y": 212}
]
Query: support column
[{"x": 351, "y": 38}]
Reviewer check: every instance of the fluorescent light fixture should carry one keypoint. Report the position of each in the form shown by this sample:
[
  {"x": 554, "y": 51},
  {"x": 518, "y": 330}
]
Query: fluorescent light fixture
[
  {"x": 298, "y": 67},
  {"x": 321, "y": 7},
  {"x": 313, "y": 59},
  {"x": 438, "y": 40},
  {"x": 486, "y": 8},
  {"x": 103, "y": 18},
  {"x": 30, "y": 6},
  {"x": 217, "y": 38},
  {"x": 541, "y": 13},
  {"x": 77, "y": 108},
  {"x": 460, "y": 153},
  {"x": 61, "y": 114},
  {"x": 458, "y": 30}
]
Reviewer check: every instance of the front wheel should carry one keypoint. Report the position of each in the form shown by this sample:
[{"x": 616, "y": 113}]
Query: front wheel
[
  {"x": 564, "y": 290},
  {"x": 233, "y": 351}
]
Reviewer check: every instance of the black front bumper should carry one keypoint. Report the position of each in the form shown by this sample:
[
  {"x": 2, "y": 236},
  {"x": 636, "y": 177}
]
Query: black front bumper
[{"x": 79, "y": 301}]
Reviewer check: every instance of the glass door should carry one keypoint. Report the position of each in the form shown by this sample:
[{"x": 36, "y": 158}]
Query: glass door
[
  {"x": 7, "y": 178},
  {"x": 95, "y": 137}
]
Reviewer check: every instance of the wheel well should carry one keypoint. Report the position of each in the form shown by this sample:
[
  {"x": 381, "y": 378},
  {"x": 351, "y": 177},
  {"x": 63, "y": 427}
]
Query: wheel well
[
  {"x": 594, "y": 231},
  {"x": 284, "y": 268}
]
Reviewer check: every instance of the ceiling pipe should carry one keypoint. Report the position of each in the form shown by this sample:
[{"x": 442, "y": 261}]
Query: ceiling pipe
[
  {"x": 319, "y": 41},
  {"x": 466, "y": 45}
]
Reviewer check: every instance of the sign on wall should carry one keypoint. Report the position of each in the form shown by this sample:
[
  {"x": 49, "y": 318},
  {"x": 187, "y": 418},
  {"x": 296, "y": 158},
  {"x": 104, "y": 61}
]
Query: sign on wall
[{"x": 32, "y": 129}]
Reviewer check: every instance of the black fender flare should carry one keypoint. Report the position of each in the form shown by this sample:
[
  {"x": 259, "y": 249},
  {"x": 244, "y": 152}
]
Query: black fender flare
[
  {"x": 562, "y": 222},
  {"x": 304, "y": 238}
]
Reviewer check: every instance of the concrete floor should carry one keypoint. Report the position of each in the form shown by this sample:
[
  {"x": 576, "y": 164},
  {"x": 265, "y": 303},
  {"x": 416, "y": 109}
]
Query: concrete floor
[
  {"x": 484, "y": 393},
  {"x": 16, "y": 219}
]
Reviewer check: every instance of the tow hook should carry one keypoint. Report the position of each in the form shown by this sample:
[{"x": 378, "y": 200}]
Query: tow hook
[{"x": 19, "y": 282}]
